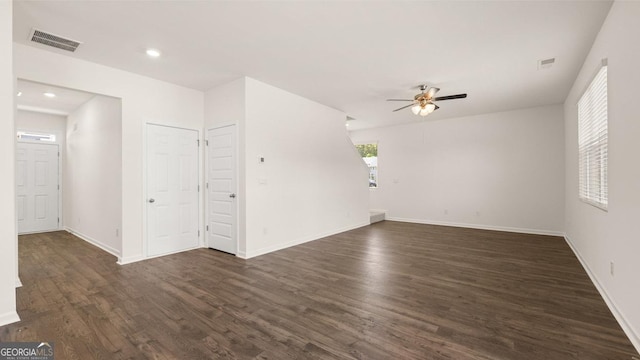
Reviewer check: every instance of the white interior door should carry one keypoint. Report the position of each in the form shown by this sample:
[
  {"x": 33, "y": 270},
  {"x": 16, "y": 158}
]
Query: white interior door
[
  {"x": 221, "y": 189},
  {"x": 37, "y": 187},
  {"x": 172, "y": 189}
]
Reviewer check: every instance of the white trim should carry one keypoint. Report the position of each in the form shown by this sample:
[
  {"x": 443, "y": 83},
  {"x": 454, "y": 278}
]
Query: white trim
[
  {"x": 130, "y": 260},
  {"x": 133, "y": 259},
  {"x": 59, "y": 135},
  {"x": 236, "y": 129},
  {"x": 40, "y": 231},
  {"x": 632, "y": 334},
  {"x": 58, "y": 145},
  {"x": 93, "y": 242},
  {"x": 479, "y": 226},
  {"x": 18, "y": 282},
  {"x": 9, "y": 318},
  {"x": 145, "y": 214},
  {"x": 268, "y": 249}
]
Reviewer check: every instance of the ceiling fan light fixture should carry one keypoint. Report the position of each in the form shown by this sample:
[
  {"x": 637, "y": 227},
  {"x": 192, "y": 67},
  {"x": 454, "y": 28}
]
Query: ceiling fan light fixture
[
  {"x": 430, "y": 107},
  {"x": 424, "y": 109},
  {"x": 423, "y": 104}
]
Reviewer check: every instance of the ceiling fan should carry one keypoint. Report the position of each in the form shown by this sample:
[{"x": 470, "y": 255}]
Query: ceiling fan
[{"x": 422, "y": 104}]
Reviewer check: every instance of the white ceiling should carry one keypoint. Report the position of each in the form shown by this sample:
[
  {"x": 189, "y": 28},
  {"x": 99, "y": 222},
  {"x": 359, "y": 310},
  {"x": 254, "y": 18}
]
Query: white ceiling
[
  {"x": 350, "y": 55},
  {"x": 65, "y": 102}
]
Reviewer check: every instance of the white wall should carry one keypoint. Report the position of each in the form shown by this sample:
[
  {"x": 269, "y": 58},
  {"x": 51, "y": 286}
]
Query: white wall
[
  {"x": 225, "y": 104},
  {"x": 92, "y": 186},
  {"x": 312, "y": 183},
  {"x": 8, "y": 237},
  {"x": 600, "y": 237},
  {"x": 497, "y": 171},
  {"x": 41, "y": 122},
  {"x": 143, "y": 100}
]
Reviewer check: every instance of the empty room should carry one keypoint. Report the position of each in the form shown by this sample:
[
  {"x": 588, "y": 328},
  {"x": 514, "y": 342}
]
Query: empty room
[{"x": 319, "y": 180}]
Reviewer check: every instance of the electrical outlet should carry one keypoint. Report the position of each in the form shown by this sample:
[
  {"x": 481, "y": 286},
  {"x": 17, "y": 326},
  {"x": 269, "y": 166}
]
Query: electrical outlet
[{"x": 611, "y": 268}]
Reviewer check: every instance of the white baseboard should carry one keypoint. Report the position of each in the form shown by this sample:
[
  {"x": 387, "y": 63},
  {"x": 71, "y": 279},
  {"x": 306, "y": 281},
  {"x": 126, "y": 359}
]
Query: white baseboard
[
  {"x": 94, "y": 242},
  {"x": 9, "y": 318},
  {"x": 479, "y": 226},
  {"x": 133, "y": 259},
  {"x": 18, "y": 282},
  {"x": 632, "y": 334},
  {"x": 268, "y": 249},
  {"x": 129, "y": 259},
  {"x": 40, "y": 231}
]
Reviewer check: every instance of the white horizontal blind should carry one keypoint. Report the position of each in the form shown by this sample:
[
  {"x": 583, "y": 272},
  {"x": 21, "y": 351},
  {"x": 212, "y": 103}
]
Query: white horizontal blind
[{"x": 592, "y": 141}]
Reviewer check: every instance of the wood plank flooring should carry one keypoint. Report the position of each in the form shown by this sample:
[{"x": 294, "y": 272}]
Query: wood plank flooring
[{"x": 386, "y": 291}]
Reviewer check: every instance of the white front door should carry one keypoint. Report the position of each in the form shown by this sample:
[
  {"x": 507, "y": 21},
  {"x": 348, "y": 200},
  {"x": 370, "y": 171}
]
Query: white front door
[
  {"x": 172, "y": 189},
  {"x": 221, "y": 186},
  {"x": 37, "y": 187}
]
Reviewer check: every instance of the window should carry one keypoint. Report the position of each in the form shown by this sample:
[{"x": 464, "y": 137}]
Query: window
[
  {"x": 369, "y": 153},
  {"x": 592, "y": 141},
  {"x": 29, "y": 136}
]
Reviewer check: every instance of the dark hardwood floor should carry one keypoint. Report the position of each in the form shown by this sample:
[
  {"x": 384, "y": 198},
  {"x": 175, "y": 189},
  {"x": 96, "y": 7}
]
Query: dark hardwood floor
[{"x": 387, "y": 291}]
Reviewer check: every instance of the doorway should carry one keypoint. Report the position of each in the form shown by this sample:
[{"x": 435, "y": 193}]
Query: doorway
[
  {"x": 172, "y": 190},
  {"x": 37, "y": 187},
  {"x": 87, "y": 129},
  {"x": 221, "y": 189}
]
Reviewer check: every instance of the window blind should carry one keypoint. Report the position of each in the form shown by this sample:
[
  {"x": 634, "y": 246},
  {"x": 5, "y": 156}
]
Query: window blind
[{"x": 592, "y": 142}]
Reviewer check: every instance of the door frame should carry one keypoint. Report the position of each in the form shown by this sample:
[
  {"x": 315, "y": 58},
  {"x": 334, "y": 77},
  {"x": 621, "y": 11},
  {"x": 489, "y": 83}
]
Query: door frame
[
  {"x": 59, "y": 193},
  {"x": 239, "y": 194},
  {"x": 145, "y": 194}
]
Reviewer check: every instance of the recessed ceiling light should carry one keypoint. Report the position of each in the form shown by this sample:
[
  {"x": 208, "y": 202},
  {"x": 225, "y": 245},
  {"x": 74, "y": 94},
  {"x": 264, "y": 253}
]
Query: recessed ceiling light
[
  {"x": 19, "y": 93},
  {"x": 153, "y": 53},
  {"x": 49, "y": 94}
]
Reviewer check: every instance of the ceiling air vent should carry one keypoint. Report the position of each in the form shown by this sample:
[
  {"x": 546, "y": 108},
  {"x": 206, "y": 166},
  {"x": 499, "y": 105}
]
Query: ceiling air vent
[
  {"x": 546, "y": 63},
  {"x": 56, "y": 41}
]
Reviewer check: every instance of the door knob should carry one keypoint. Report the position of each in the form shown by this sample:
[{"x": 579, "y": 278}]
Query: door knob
[
  {"x": 232, "y": 196},
  {"x": 152, "y": 200}
]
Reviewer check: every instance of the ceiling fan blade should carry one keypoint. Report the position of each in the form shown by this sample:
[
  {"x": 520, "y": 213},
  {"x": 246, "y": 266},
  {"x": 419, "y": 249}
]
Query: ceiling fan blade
[
  {"x": 404, "y": 107},
  {"x": 450, "y": 97},
  {"x": 436, "y": 108},
  {"x": 399, "y": 100},
  {"x": 432, "y": 91}
]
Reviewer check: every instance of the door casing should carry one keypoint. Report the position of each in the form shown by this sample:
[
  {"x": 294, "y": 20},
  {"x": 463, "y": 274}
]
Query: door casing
[
  {"x": 190, "y": 232},
  {"x": 221, "y": 210},
  {"x": 53, "y": 151}
]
